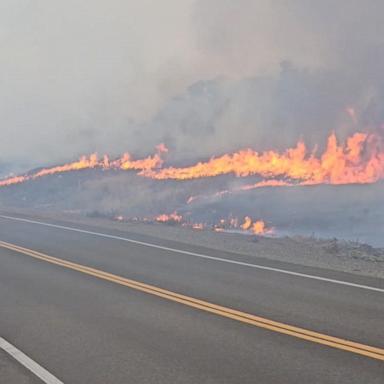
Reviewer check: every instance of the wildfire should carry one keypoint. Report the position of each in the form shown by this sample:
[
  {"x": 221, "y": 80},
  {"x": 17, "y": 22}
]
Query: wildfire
[
  {"x": 173, "y": 217},
  {"x": 229, "y": 224},
  {"x": 151, "y": 162},
  {"x": 247, "y": 223},
  {"x": 83, "y": 163},
  {"x": 12, "y": 180},
  {"x": 125, "y": 162},
  {"x": 257, "y": 227},
  {"x": 359, "y": 160}
]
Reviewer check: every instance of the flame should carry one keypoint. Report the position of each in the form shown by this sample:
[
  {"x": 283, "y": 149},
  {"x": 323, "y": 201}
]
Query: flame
[
  {"x": 173, "y": 217},
  {"x": 83, "y": 163},
  {"x": 125, "y": 162},
  {"x": 13, "y": 180},
  {"x": 258, "y": 227},
  {"x": 359, "y": 160},
  {"x": 247, "y": 223}
]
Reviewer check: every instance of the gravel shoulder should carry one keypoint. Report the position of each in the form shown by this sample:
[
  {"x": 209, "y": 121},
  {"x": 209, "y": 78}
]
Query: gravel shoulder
[{"x": 334, "y": 254}]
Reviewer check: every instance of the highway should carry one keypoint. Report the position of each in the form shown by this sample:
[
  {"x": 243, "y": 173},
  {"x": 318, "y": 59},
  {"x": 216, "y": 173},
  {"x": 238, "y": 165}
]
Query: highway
[{"x": 95, "y": 305}]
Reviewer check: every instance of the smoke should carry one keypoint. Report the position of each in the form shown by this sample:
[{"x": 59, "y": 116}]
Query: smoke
[
  {"x": 204, "y": 76},
  {"x": 287, "y": 70},
  {"x": 79, "y": 77},
  {"x": 247, "y": 36}
]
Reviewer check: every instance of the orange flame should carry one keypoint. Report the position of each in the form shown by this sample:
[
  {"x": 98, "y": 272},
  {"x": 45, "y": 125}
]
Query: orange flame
[
  {"x": 247, "y": 223},
  {"x": 257, "y": 227},
  {"x": 83, "y": 163},
  {"x": 89, "y": 162},
  {"x": 360, "y": 160},
  {"x": 13, "y": 180},
  {"x": 126, "y": 163},
  {"x": 173, "y": 217}
]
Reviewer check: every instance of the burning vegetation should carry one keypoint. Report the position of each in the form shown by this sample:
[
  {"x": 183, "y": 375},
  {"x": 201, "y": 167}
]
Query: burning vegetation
[
  {"x": 250, "y": 226},
  {"x": 360, "y": 160},
  {"x": 193, "y": 193}
]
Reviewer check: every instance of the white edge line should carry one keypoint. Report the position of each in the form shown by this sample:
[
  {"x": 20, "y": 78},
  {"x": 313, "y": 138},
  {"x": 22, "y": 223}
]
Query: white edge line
[
  {"x": 202, "y": 256},
  {"x": 28, "y": 363}
]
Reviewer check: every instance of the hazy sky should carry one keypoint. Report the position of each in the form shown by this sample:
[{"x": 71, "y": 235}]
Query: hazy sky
[{"x": 83, "y": 76}]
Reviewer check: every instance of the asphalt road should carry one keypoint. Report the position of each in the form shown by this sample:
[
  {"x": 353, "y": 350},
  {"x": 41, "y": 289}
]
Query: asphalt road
[
  {"x": 13, "y": 372},
  {"x": 84, "y": 329}
]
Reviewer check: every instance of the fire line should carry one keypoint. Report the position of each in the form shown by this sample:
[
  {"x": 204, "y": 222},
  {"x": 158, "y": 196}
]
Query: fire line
[{"x": 360, "y": 160}]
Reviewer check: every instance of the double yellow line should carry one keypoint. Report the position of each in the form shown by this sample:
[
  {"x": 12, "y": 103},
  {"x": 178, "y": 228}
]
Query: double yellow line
[{"x": 315, "y": 337}]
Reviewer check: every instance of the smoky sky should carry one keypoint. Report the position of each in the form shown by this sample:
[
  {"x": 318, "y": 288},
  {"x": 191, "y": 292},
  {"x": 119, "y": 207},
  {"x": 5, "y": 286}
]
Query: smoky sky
[{"x": 204, "y": 76}]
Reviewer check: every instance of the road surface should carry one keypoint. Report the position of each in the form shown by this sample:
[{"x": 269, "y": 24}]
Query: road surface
[{"x": 155, "y": 311}]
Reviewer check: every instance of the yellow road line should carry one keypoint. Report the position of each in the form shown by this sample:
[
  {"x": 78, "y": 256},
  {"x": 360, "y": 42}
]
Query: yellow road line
[{"x": 301, "y": 333}]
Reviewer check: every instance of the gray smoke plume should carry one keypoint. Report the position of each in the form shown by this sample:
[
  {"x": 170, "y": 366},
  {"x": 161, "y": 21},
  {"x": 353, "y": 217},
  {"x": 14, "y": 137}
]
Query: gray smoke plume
[{"x": 204, "y": 76}]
